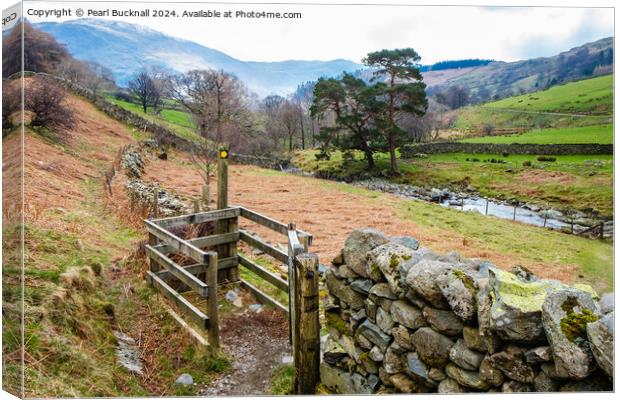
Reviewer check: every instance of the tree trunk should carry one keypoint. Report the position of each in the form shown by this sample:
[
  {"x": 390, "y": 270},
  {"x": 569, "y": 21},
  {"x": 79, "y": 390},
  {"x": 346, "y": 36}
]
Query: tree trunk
[
  {"x": 393, "y": 161},
  {"x": 369, "y": 158},
  {"x": 303, "y": 133}
]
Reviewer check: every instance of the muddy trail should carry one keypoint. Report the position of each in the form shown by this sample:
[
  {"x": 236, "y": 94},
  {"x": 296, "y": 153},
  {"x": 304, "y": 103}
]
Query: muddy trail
[{"x": 258, "y": 343}]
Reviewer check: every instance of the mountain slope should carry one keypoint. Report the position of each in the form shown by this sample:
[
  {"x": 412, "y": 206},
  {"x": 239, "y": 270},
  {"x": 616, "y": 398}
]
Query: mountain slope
[{"x": 126, "y": 48}]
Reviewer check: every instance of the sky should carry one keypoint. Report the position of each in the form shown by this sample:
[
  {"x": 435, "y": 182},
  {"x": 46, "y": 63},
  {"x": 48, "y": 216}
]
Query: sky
[{"x": 326, "y": 32}]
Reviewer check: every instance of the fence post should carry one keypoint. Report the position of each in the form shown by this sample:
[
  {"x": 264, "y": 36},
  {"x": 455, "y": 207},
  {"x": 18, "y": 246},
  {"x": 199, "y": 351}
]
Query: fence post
[
  {"x": 206, "y": 197},
  {"x": 214, "y": 327},
  {"x": 602, "y": 230},
  {"x": 545, "y": 223},
  {"x": 486, "y": 208},
  {"x": 462, "y": 204},
  {"x": 514, "y": 213},
  {"x": 307, "y": 328},
  {"x": 155, "y": 202},
  {"x": 196, "y": 205},
  {"x": 222, "y": 226}
]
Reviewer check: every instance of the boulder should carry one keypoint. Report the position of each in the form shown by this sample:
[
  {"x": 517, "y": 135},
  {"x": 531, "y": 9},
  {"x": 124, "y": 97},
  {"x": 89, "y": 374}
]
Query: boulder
[
  {"x": 460, "y": 289},
  {"x": 449, "y": 385},
  {"x": 418, "y": 370},
  {"x": 432, "y": 347},
  {"x": 361, "y": 286},
  {"x": 388, "y": 258},
  {"x": 384, "y": 320},
  {"x": 515, "y": 312},
  {"x": 358, "y": 244},
  {"x": 512, "y": 363},
  {"x": 565, "y": 315},
  {"x": 595, "y": 383},
  {"x": 465, "y": 378},
  {"x": 402, "y": 337},
  {"x": 421, "y": 278},
  {"x": 343, "y": 382},
  {"x": 465, "y": 358},
  {"x": 490, "y": 374},
  {"x": 544, "y": 383},
  {"x": 342, "y": 291},
  {"x": 517, "y": 387},
  {"x": 373, "y": 333},
  {"x": 538, "y": 354},
  {"x": 443, "y": 321},
  {"x": 407, "y": 315},
  {"x": 601, "y": 337},
  {"x": 406, "y": 241},
  {"x": 606, "y": 303}
]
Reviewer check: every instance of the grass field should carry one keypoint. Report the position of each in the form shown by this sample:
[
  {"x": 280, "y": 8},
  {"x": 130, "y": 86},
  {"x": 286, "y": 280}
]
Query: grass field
[
  {"x": 575, "y": 181},
  {"x": 602, "y": 134},
  {"x": 588, "y": 96},
  {"x": 178, "y": 121},
  {"x": 591, "y": 100}
]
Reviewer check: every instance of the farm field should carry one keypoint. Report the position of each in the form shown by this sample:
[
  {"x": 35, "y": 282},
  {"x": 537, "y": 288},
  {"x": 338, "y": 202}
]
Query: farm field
[
  {"x": 582, "y": 103},
  {"x": 331, "y": 210},
  {"x": 564, "y": 183},
  {"x": 602, "y": 134}
]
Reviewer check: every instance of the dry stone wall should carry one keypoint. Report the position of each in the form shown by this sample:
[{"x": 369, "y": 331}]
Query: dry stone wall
[
  {"x": 410, "y": 151},
  {"x": 403, "y": 319}
]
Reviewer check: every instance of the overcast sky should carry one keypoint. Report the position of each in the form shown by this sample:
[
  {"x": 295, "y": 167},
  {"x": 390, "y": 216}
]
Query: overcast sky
[{"x": 338, "y": 31}]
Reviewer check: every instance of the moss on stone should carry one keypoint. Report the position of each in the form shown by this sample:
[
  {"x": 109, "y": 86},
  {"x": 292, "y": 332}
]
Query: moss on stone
[
  {"x": 374, "y": 268},
  {"x": 574, "y": 325},
  {"x": 335, "y": 321},
  {"x": 394, "y": 260},
  {"x": 467, "y": 280},
  {"x": 406, "y": 257}
]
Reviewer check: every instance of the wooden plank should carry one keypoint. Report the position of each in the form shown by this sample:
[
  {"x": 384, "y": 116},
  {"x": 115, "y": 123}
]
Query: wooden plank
[
  {"x": 263, "y": 246},
  {"x": 306, "y": 352},
  {"x": 175, "y": 243},
  {"x": 183, "y": 304},
  {"x": 214, "y": 240},
  {"x": 269, "y": 276},
  {"x": 195, "y": 269},
  {"x": 264, "y": 298},
  {"x": 212, "y": 305},
  {"x": 270, "y": 223},
  {"x": 197, "y": 218},
  {"x": 180, "y": 273}
]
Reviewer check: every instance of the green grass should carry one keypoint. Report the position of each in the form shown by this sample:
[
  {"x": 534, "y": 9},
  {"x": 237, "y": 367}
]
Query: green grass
[
  {"x": 591, "y": 99},
  {"x": 589, "y": 96},
  {"x": 565, "y": 183},
  {"x": 180, "y": 122},
  {"x": 601, "y": 134},
  {"x": 282, "y": 380}
]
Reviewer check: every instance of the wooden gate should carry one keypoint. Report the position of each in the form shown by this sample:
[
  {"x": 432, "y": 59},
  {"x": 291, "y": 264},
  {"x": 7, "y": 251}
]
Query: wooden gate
[{"x": 210, "y": 267}]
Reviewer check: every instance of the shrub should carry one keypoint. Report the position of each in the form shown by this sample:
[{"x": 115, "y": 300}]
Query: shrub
[
  {"x": 44, "y": 99},
  {"x": 527, "y": 163},
  {"x": 546, "y": 158},
  {"x": 120, "y": 95},
  {"x": 505, "y": 154}
]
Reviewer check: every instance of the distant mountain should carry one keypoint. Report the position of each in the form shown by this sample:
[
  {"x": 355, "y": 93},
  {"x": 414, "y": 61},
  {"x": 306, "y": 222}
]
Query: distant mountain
[
  {"x": 126, "y": 48},
  {"x": 503, "y": 79}
]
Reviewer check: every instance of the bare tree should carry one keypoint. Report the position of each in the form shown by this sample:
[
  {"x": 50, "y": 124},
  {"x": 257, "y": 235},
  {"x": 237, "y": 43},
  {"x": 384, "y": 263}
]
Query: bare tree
[
  {"x": 144, "y": 88},
  {"x": 98, "y": 77},
  {"x": 289, "y": 117}
]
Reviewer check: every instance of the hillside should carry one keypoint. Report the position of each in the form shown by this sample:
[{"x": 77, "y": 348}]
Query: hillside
[
  {"x": 82, "y": 283},
  {"x": 127, "y": 48},
  {"x": 504, "y": 79},
  {"x": 580, "y": 103}
]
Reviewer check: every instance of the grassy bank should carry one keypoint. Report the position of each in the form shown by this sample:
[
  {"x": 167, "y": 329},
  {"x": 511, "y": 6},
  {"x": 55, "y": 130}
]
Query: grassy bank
[
  {"x": 601, "y": 134},
  {"x": 575, "y": 181}
]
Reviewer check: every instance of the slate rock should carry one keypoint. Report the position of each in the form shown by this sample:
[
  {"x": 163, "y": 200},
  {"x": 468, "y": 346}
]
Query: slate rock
[
  {"x": 373, "y": 333},
  {"x": 406, "y": 241},
  {"x": 538, "y": 354},
  {"x": 361, "y": 286},
  {"x": 601, "y": 338},
  {"x": 465, "y": 378},
  {"x": 417, "y": 369},
  {"x": 341, "y": 290},
  {"x": 382, "y": 291},
  {"x": 343, "y": 382},
  {"x": 606, "y": 303},
  {"x": 185, "y": 380},
  {"x": 544, "y": 383},
  {"x": 333, "y": 352},
  {"x": 376, "y": 354},
  {"x": 404, "y": 384},
  {"x": 465, "y": 358},
  {"x": 512, "y": 363},
  {"x": 449, "y": 385},
  {"x": 490, "y": 374},
  {"x": 432, "y": 347},
  {"x": 473, "y": 339},
  {"x": 394, "y": 361},
  {"x": 407, "y": 315},
  {"x": 384, "y": 320},
  {"x": 344, "y": 272},
  {"x": 460, "y": 289},
  {"x": 358, "y": 244},
  {"x": 422, "y": 277},
  {"x": 402, "y": 337},
  {"x": 595, "y": 383},
  {"x": 565, "y": 314},
  {"x": 517, "y": 387},
  {"x": 436, "y": 374},
  {"x": 443, "y": 321}
]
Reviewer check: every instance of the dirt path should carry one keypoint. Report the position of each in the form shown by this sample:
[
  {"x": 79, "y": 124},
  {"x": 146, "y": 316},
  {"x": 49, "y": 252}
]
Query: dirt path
[{"x": 257, "y": 342}]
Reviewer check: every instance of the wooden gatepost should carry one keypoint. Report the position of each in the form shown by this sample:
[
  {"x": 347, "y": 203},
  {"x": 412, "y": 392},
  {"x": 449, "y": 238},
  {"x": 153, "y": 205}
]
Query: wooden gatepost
[{"x": 212, "y": 267}]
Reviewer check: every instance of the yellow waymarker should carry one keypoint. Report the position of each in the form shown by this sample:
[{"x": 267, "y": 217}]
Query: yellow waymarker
[{"x": 223, "y": 154}]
